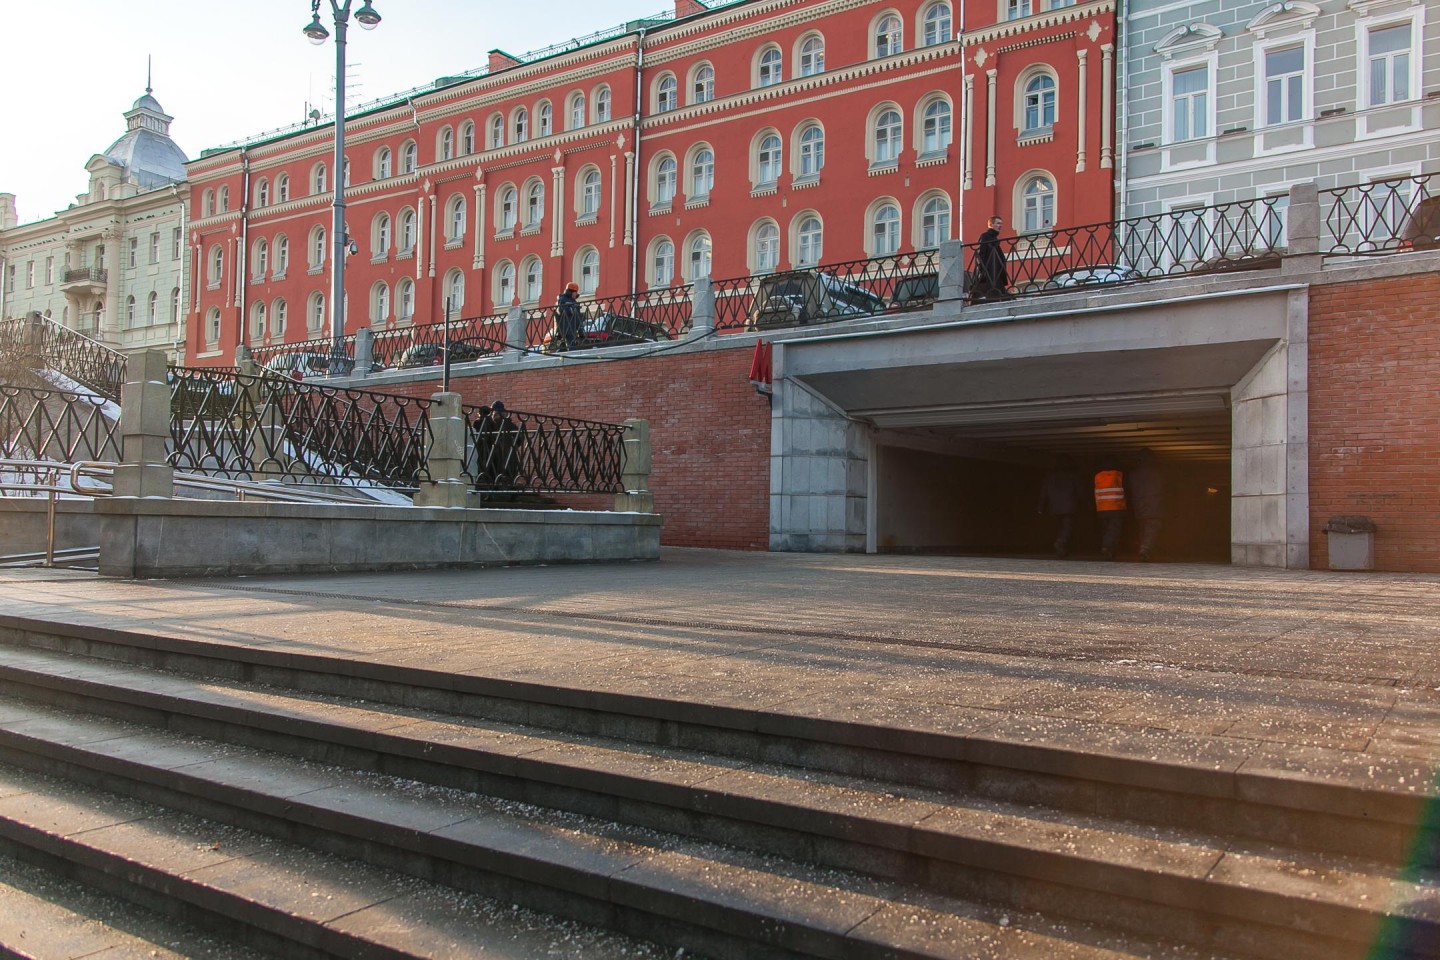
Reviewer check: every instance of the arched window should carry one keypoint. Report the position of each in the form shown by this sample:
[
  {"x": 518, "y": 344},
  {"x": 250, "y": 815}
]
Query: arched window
[
  {"x": 532, "y": 271},
  {"x": 130, "y": 311},
  {"x": 380, "y": 236},
  {"x": 225, "y": 199},
  {"x": 409, "y": 156},
  {"x": 665, "y": 177},
  {"x": 702, "y": 172},
  {"x": 504, "y": 284},
  {"x": 935, "y": 127},
  {"x": 317, "y": 179},
  {"x": 212, "y": 327},
  {"x": 667, "y": 93},
  {"x": 662, "y": 263},
  {"x": 769, "y": 67},
  {"x": 260, "y": 258},
  {"x": 207, "y": 203},
  {"x": 262, "y": 197},
  {"x": 282, "y": 255},
  {"x": 887, "y": 38},
  {"x": 506, "y": 209},
  {"x": 575, "y": 110},
  {"x": 698, "y": 252},
  {"x": 455, "y": 218},
  {"x": 455, "y": 289},
  {"x": 602, "y": 105},
  {"x": 885, "y": 230},
  {"x": 405, "y": 300},
  {"x": 588, "y": 271},
  {"x": 384, "y": 166},
  {"x": 1037, "y": 204},
  {"x": 811, "y": 152},
  {"x": 765, "y": 247},
  {"x": 935, "y": 24},
  {"x": 315, "y": 316},
  {"x": 1039, "y": 102},
  {"x": 809, "y": 240},
  {"x": 934, "y": 222},
  {"x": 406, "y": 236},
  {"x": 217, "y": 265},
  {"x": 282, "y": 188},
  {"x": 317, "y": 246},
  {"x": 768, "y": 160},
  {"x": 467, "y": 138},
  {"x": 534, "y": 203},
  {"x": 152, "y": 308},
  {"x": 347, "y": 172},
  {"x": 520, "y": 124},
  {"x": 257, "y": 321},
  {"x": 279, "y": 318},
  {"x": 702, "y": 84},
  {"x": 174, "y": 305},
  {"x": 589, "y": 194},
  {"x": 811, "y": 58},
  {"x": 885, "y": 138},
  {"x": 546, "y": 121},
  {"x": 447, "y": 143},
  {"x": 497, "y": 132}
]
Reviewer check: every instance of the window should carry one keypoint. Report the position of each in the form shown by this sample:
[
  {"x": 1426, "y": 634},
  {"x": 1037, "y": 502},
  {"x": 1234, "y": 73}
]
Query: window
[
  {"x": 129, "y": 311},
  {"x": 885, "y": 230},
  {"x": 405, "y": 299},
  {"x": 217, "y": 265},
  {"x": 317, "y": 179},
  {"x": 347, "y": 171},
  {"x": 225, "y": 199},
  {"x": 152, "y": 308},
  {"x": 380, "y": 236},
  {"x": 497, "y": 132},
  {"x": 262, "y": 194},
  {"x": 534, "y": 203},
  {"x": 30, "y": 275},
  {"x": 1190, "y": 103},
  {"x": 1284, "y": 85},
  {"x": 702, "y": 172},
  {"x": 175, "y": 238},
  {"x": 662, "y": 263},
  {"x": 812, "y": 56},
  {"x": 667, "y": 94},
  {"x": 532, "y": 271},
  {"x": 1389, "y": 54},
  {"x": 589, "y": 194},
  {"x": 887, "y": 39},
  {"x": 766, "y": 247},
  {"x": 212, "y": 327},
  {"x": 935, "y": 25},
  {"x": 769, "y": 69},
  {"x": 809, "y": 240},
  {"x": 1015, "y": 9},
  {"x": 257, "y": 321},
  {"x": 447, "y": 143},
  {"x": 520, "y": 124},
  {"x": 702, "y": 84},
  {"x": 546, "y": 121},
  {"x": 384, "y": 164},
  {"x": 935, "y": 127},
  {"x": 1039, "y": 103},
  {"x": 455, "y": 219},
  {"x": 134, "y": 259},
  {"x": 507, "y": 209},
  {"x": 455, "y": 290},
  {"x": 406, "y": 236},
  {"x": 665, "y": 175},
  {"x": 279, "y": 314},
  {"x": 575, "y": 110},
  {"x": 282, "y": 255},
  {"x": 885, "y": 141},
  {"x": 262, "y": 259},
  {"x": 207, "y": 204},
  {"x": 1037, "y": 205},
  {"x": 812, "y": 152},
  {"x": 467, "y": 138},
  {"x": 602, "y": 105},
  {"x": 175, "y": 305},
  {"x": 768, "y": 160},
  {"x": 282, "y": 188},
  {"x": 588, "y": 270},
  {"x": 698, "y": 255},
  {"x": 934, "y": 222},
  {"x": 317, "y": 247},
  {"x": 50, "y": 268},
  {"x": 315, "y": 318},
  {"x": 505, "y": 284},
  {"x": 409, "y": 156}
]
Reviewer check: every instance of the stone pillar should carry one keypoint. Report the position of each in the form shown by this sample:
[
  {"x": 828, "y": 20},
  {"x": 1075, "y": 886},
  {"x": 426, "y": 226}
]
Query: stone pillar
[
  {"x": 635, "y": 474},
  {"x": 1082, "y": 84},
  {"x": 515, "y": 332},
  {"x": 447, "y": 486},
  {"x": 952, "y": 270},
  {"x": 245, "y": 363},
  {"x": 364, "y": 352},
  {"x": 144, "y": 429},
  {"x": 1107, "y": 105},
  {"x": 819, "y": 471},
  {"x": 990, "y": 87},
  {"x": 702, "y": 306},
  {"x": 1302, "y": 231}
]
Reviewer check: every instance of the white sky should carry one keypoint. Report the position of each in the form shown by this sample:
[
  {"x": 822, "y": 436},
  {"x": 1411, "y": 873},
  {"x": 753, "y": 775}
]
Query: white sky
[{"x": 229, "y": 70}]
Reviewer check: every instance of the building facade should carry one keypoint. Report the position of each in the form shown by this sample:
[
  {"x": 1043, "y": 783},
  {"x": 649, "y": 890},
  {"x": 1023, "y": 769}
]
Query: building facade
[
  {"x": 1233, "y": 100},
  {"x": 113, "y": 264},
  {"x": 759, "y": 136}
]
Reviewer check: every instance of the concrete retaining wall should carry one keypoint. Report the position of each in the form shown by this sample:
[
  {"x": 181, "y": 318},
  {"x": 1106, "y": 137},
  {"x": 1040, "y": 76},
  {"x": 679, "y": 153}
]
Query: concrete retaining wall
[
  {"x": 23, "y": 525},
  {"x": 174, "y": 538}
]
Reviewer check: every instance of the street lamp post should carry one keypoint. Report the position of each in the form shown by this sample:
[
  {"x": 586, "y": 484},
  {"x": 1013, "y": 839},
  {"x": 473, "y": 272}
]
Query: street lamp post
[{"x": 316, "y": 32}]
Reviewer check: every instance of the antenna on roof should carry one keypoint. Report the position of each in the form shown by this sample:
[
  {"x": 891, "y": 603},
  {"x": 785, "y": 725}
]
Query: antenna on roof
[{"x": 148, "y": 58}]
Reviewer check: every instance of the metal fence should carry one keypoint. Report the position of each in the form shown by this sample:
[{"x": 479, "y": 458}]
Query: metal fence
[
  {"x": 68, "y": 352},
  {"x": 825, "y": 294},
  {"x": 1387, "y": 216},
  {"x": 422, "y": 346},
  {"x": 513, "y": 451},
  {"x": 57, "y": 425}
]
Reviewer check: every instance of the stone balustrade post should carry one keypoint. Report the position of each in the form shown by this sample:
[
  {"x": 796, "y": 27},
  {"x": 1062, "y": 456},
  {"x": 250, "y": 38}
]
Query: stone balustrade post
[
  {"x": 364, "y": 352},
  {"x": 515, "y": 332},
  {"x": 144, "y": 470},
  {"x": 702, "y": 306},
  {"x": 952, "y": 270},
  {"x": 635, "y": 473},
  {"x": 245, "y": 362},
  {"x": 1302, "y": 231},
  {"x": 448, "y": 486}
]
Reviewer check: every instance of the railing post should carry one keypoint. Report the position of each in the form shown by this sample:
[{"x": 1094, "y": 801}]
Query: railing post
[
  {"x": 952, "y": 270},
  {"x": 245, "y": 362},
  {"x": 635, "y": 473},
  {"x": 1302, "y": 231},
  {"x": 144, "y": 470},
  {"x": 364, "y": 352},
  {"x": 447, "y": 486},
  {"x": 702, "y": 307},
  {"x": 515, "y": 332}
]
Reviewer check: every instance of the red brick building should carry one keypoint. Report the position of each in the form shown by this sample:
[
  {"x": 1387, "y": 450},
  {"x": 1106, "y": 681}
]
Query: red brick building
[{"x": 754, "y": 137}]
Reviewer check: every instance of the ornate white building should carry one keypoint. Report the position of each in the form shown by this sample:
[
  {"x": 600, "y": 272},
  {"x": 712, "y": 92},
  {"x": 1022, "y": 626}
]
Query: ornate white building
[{"x": 113, "y": 264}]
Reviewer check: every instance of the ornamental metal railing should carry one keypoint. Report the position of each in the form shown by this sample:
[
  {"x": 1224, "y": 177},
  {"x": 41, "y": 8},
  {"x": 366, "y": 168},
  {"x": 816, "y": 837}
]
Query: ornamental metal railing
[
  {"x": 519, "y": 452},
  {"x": 260, "y": 428},
  {"x": 422, "y": 345},
  {"x": 850, "y": 290},
  {"x": 68, "y": 352},
  {"x": 57, "y": 425},
  {"x": 85, "y": 275},
  {"x": 1242, "y": 235},
  {"x": 1387, "y": 216}
]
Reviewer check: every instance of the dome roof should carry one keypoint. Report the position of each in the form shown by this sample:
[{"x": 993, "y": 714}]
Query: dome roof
[
  {"x": 148, "y": 102},
  {"x": 151, "y": 159}
]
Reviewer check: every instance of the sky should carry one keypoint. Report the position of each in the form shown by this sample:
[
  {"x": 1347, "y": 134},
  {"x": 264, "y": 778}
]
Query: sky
[{"x": 228, "y": 71}]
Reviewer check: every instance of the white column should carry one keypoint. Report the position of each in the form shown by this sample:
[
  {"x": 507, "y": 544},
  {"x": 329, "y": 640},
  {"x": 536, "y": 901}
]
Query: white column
[
  {"x": 990, "y": 127},
  {"x": 430, "y": 265},
  {"x": 968, "y": 132},
  {"x": 1107, "y": 108},
  {"x": 1082, "y": 86},
  {"x": 612, "y": 200},
  {"x": 629, "y": 197},
  {"x": 478, "y": 259},
  {"x": 557, "y": 234}
]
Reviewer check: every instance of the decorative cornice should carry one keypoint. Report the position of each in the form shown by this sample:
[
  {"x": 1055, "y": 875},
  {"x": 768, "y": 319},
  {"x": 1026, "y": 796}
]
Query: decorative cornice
[{"x": 1039, "y": 21}]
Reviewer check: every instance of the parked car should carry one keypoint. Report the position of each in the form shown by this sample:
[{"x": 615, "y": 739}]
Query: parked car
[
  {"x": 790, "y": 299},
  {"x": 916, "y": 291},
  {"x": 1092, "y": 276},
  {"x": 433, "y": 354},
  {"x": 298, "y": 365},
  {"x": 608, "y": 329}
]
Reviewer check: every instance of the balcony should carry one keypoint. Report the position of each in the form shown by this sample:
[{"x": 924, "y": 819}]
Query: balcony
[{"x": 84, "y": 281}]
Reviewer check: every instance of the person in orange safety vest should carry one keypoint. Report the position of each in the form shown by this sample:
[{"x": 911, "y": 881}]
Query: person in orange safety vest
[{"x": 1110, "y": 509}]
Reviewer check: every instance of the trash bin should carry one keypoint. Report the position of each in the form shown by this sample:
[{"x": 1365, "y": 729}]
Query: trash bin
[{"x": 1352, "y": 543}]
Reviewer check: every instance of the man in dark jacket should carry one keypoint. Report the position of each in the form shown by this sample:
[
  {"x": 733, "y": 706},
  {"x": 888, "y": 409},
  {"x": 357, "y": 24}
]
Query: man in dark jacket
[
  {"x": 1060, "y": 494},
  {"x": 567, "y": 315},
  {"x": 497, "y": 441},
  {"x": 991, "y": 278},
  {"x": 1147, "y": 501}
]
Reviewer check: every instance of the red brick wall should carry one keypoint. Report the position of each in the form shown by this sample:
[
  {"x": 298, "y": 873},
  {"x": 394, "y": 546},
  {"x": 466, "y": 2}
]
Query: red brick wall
[
  {"x": 1375, "y": 416},
  {"x": 709, "y": 430}
]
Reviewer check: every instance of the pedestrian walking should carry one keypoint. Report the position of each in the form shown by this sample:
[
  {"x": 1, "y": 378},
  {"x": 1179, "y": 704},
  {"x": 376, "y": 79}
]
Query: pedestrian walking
[
  {"x": 1060, "y": 494},
  {"x": 1110, "y": 508},
  {"x": 991, "y": 277},
  {"x": 497, "y": 441},
  {"x": 567, "y": 315}
]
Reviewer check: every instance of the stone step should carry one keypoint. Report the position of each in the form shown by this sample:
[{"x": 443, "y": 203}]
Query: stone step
[
  {"x": 294, "y": 855},
  {"x": 1308, "y": 799},
  {"x": 1268, "y": 901}
]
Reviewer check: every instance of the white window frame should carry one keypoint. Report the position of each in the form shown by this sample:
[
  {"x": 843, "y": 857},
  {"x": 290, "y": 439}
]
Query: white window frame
[
  {"x": 1364, "y": 27},
  {"x": 887, "y": 40},
  {"x": 769, "y": 66},
  {"x": 667, "y": 93},
  {"x": 1210, "y": 62},
  {"x": 931, "y": 33},
  {"x": 809, "y": 63}
]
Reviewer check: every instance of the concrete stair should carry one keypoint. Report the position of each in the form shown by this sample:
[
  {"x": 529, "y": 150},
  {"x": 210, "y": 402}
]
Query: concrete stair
[{"x": 718, "y": 830}]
